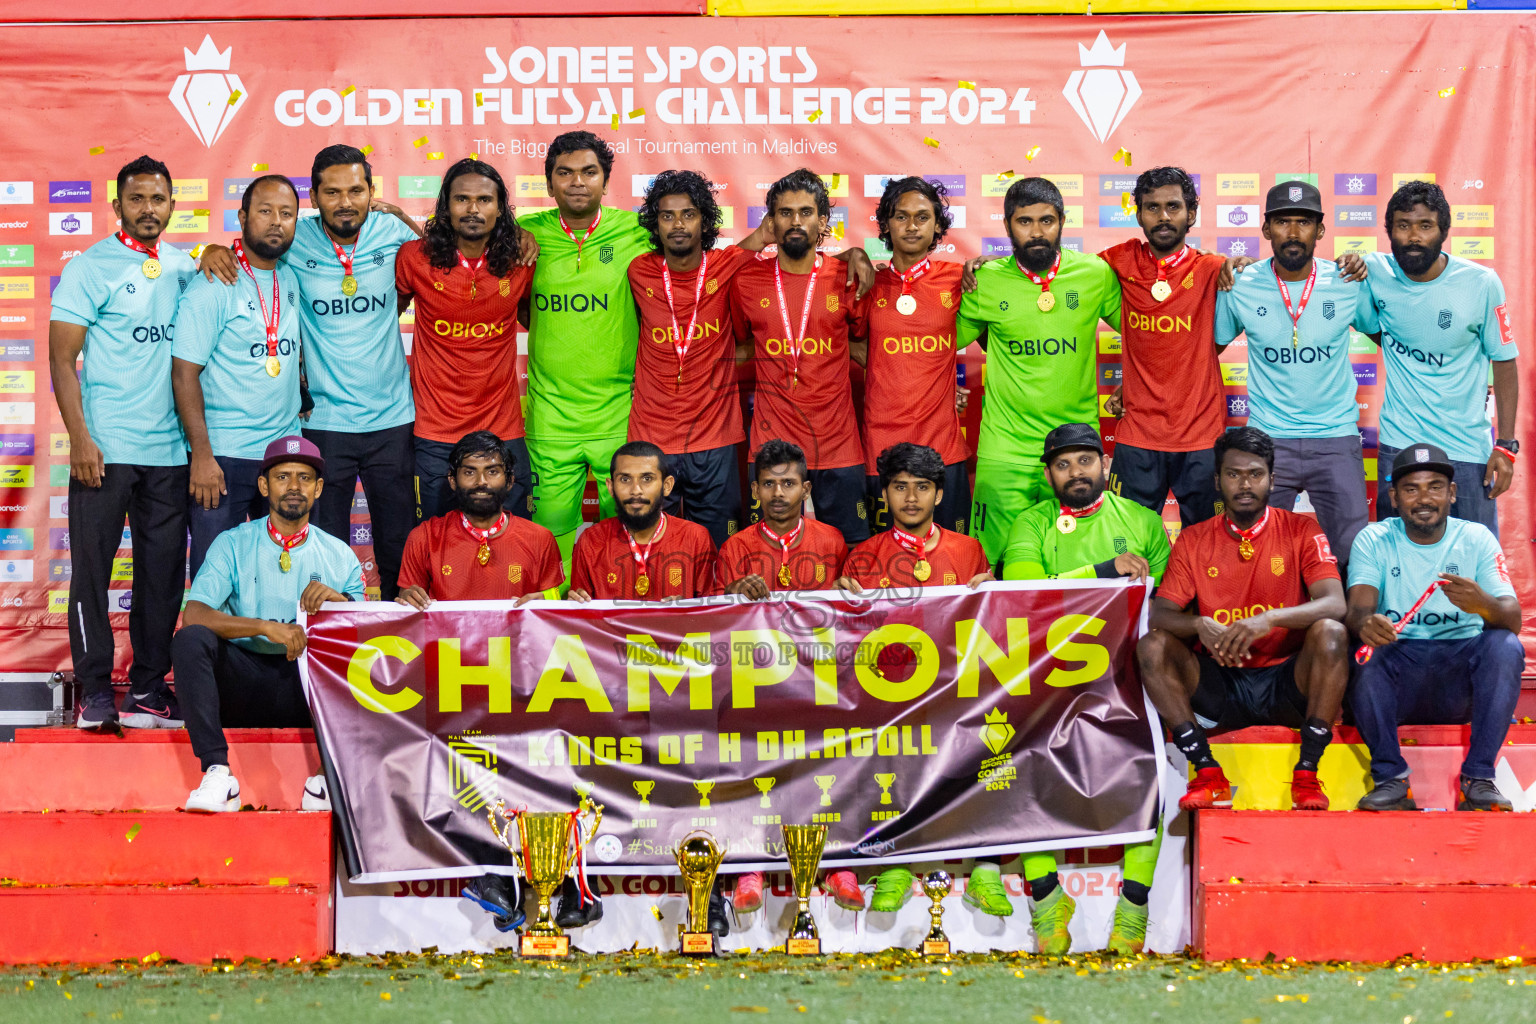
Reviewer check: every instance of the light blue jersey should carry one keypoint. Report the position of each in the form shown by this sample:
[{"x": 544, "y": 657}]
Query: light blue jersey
[
  {"x": 1386, "y": 558},
  {"x": 354, "y": 358},
  {"x": 1438, "y": 338},
  {"x": 1306, "y": 389},
  {"x": 129, "y": 322},
  {"x": 242, "y": 577},
  {"x": 220, "y": 328}
]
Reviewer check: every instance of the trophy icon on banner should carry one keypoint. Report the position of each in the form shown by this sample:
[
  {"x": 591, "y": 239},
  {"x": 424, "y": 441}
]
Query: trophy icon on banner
[
  {"x": 704, "y": 786},
  {"x": 802, "y": 848},
  {"x": 763, "y": 786},
  {"x": 644, "y": 788},
  {"x": 824, "y": 783},
  {"x": 551, "y": 844},
  {"x": 698, "y": 859},
  {"x": 936, "y": 885},
  {"x": 885, "y": 779}
]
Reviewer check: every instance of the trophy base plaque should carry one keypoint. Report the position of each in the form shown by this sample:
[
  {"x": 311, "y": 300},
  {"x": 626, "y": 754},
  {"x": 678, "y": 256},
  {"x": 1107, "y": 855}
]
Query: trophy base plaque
[
  {"x": 936, "y": 947},
  {"x": 802, "y": 947},
  {"x": 697, "y": 944},
  {"x": 545, "y": 947}
]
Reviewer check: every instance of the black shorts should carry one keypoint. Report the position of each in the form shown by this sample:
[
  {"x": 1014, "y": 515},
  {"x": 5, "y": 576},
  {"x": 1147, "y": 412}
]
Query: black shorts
[
  {"x": 1145, "y": 476},
  {"x": 1235, "y": 698},
  {"x": 708, "y": 490},
  {"x": 953, "y": 513}
]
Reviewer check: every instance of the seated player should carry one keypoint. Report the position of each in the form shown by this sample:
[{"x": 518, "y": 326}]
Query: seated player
[
  {"x": 1084, "y": 532},
  {"x": 236, "y": 654},
  {"x": 786, "y": 550},
  {"x": 1459, "y": 659},
  {"x": 642, "y": 554},
  {"x": 1258, "y": 590}
]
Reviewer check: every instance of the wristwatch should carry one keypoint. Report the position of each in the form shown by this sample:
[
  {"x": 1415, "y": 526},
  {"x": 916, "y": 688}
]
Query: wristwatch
[{"x": 1510, "y": 445}]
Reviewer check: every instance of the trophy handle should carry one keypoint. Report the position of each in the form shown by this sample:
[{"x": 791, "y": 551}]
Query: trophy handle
[{"x": 587, "y": 804}]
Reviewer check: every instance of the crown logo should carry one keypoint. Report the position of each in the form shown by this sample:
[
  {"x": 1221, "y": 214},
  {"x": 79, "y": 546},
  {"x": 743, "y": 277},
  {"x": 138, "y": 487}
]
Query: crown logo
[
  {"x": 995, "y": 731},
  {"x": 209, "y": 95},
  {"x": 208, "y": 57},
  {"x": 1100, "y": 92},
  {"x": 1102, "y": 55}
]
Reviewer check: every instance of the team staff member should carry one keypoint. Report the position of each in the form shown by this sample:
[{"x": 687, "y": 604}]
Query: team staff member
[
  {"x": 785, "y": 551},
  {"x": 1297, "y": 311},
  {"x": 465, "y": 276},
  {"x": 1084, "y": 532},
  {"x": 237, "y": 653},
  {"x": 797, "y": 313},
  {"x": 115, "y": 305},
  {"x": 1259, "y": 590},
  {"x": 1036, "y": 316},
  {"x": 909, "y": 352},
  {"x": 1172, "y": 407},
  {"x": 1443, "y": 320},
  {"x": 1459, "y": 659},
  {"x": 354, "y": 359},
  {"x": 642, "y": 554},
  {"x": 235, "y": 366}
]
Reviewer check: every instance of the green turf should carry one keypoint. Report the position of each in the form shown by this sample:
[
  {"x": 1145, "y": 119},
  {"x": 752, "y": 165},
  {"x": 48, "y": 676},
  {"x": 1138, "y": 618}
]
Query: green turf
[{"x": 869, "y": 989}]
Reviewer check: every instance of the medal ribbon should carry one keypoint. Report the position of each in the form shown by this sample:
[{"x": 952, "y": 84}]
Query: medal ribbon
[
  {"x": 1285, "y": 296},
  {"x": 785, "y": 542},
  {"x": 634, "y": 549},
  {"x": 805, "y": 314},
  {"x": 582, "y": 240},
  {"x": 910, "y": 276},
  {"x": 344, "y": 256},
  {"x": 473, "y": 268},
  {"x": 918, "y": 547},
  {"x": 1252, "y": 533},
  {"x": 1169, "y": 263},
  {"x": 1080, "y": 513},
  {"x": 286, "y": 543},
  {"x": 271, "y": 322},
  {"x": 483, "y": 536},
  {"x": 138, "y": 246},
  {"x": 680, "y": 342},
  {"x": 1043, "y": 282}
]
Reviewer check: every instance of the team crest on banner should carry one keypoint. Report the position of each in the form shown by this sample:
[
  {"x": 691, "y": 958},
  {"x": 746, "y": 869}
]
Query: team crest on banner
[
  {"x": 831, "y": 303},
  {"x": 1277, "y": 565},
  {"x": 472, "y": 772}
]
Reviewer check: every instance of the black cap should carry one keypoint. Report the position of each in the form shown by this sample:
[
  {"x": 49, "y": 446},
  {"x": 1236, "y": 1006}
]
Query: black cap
[
  {"x": 1071, "y": 435},
  {"x": 1422, "y": 456},
  {"x": 1293, "y": 195}
]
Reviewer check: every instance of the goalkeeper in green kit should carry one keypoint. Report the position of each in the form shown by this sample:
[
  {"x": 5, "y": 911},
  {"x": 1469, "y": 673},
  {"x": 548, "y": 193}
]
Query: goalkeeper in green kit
[{"x": 1083, "y": 532}]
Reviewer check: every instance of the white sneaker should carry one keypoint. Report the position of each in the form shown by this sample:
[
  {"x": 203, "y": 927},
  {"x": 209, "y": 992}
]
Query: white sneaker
[
  {"x": 219, "y": 791},
  {"x": 316, "y": 796}
]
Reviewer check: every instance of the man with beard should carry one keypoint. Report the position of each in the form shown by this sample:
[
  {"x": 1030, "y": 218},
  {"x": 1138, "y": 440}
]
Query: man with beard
[
  {"x": 115, "y": 305},
  {"x": 1457, "y": 660},
  {"x": 1297, "y": 311},
  {"x": 354, "y": 358},
  {"x": 784, "y": 551},
  {"x": 1036, "y": 316},
  {"x": 1084, "y": 532},
  {"x": 236, "y": 654},
  {"x": 466, "y": 280},
  {"x": 795, "y": 315},
  {"x": 1258, "y": 590},
  {"x": 235, "y": 366},
  {"x": 1171, "y": 404},
  {"x": 1443, "y": 320}
]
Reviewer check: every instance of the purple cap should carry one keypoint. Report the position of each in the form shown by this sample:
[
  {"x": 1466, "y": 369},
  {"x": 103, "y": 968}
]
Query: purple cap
[{"x": 293, "y": 449}]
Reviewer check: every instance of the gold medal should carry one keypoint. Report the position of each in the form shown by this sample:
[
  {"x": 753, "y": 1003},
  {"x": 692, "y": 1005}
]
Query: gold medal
[
  {"x": 1245, "y": 548},
  {"x": 643, "y": 585},
  {"x": 921, "y": 571},
  {"x": 273, "y": 366},
  {"x": 284, "y": 562},
  {"x": 1066, "y": 523},
  {"x": 1161, "y": 290},
  {"x": 151, "y": 268},
  {"x": 906, "y": 305},
  {"x": 1295, "y": 336},
  {"x": 784, "y": 577},
  {"x": 483, "y": 556},
  {"x": 1046, "y": 302},
  {"x": 349, "y": 285}
]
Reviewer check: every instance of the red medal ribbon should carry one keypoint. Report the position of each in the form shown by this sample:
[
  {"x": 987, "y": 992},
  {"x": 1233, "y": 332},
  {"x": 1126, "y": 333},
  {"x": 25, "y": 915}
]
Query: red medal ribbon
[
  {"x": 1043, "y": 282},
  {"x": 473, "y": 268},
  {"x": 1252, "y": 533},
  {"x": 1170, "y": 262},
  {"x": 582, "y": 240},
  {"x": 680, "y": 342},
  {"x": 343, "y": 255},
  {"x": 277, "y": 299},
  {"x": 1080, "y": 513},
  {"x": 1285, "y": 296},
  {"x": 483, "y": 536},
  {"x": 907, "y": 542},
  {"x": 785, "y": 542},
  {"x": 138, "y": 246},
  {"x": 286, "y": 543},
  {"x": 634, "y": 549},
  {"x": 909, "y": 277},
  {"x": 793, "y": 344}
]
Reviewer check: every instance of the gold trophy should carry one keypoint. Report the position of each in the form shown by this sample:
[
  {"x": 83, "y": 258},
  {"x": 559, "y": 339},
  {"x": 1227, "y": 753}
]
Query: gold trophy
[
  {"x": 936, "y": 885},
  {"x": 802, "y": 848},
  {"x": 550, "y": 841},
  {"x": 644, "y": 788},
  {"x": 704, "y": 786},
  {"x": 764, "y": 786},
  {"x": 698, "y": 859}
]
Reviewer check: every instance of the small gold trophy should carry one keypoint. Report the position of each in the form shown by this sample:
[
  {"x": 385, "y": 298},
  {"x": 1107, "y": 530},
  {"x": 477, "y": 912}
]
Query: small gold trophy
[
  {"x": 698, "y": 859},
  {"x": 704, "y": 786},
  {"x": 764, "y": 786},
  {"x": 550, "y": 841},
  {"x": 802, "y": 848},
  {"x": 936, "y": 885}
]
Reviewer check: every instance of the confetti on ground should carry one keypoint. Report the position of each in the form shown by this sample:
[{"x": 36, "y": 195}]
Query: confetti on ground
[
  {"x": 655, "y": 911},
  {"x": 930, "y": 142},
  {"x": 1446, "y": 94},
  {"x": 434, "y": 156},
  {"x": 385, "y": 996},
  {"x": 367, "y": 150},
  {"x": 348, "y": 91},
  {"x": 815, "y": 116},
  {"x": 967, "y": 85},
  {"x": 97, "y": 150},
  {"x": 420, "y": 142},
  {"x": 134, "y": 830},
  {"x": 234, "y": 97},
  {"x": 1034, "y": 151},
  {"x": 637, "y": 112},
  {"x": 259, "y": 168}
]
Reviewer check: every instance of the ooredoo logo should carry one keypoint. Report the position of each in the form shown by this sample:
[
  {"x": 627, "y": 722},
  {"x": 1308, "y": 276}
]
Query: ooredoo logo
[
  {"x": 1102, "y": 91},
  {"x": 209, "y": 95}
]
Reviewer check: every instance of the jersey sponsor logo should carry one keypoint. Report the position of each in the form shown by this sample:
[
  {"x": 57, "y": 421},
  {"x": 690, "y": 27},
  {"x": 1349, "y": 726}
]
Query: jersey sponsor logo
[
  {"x": 152, "y": 333},
  {"x": 559, "y": 302},
  {"x": 285, "y": 347},
  {"x": 355, "y": 304},
  {"x": 909, "y": 344},
  {"x": 1102, "y": 91},
  {"x": 1417, "y": 355},
  {"x": 1428, "y": 618},
  {"x": 809, "y": 346},
  {"x": 456, "y": 329},
  {"x": 1158, "y": 324},
  {"x": 663, "y": 335},
  {"x": 1042, "y": 346},
  {"x": 1227, "y": 616},
  {"x": 1283, "y": 356}
]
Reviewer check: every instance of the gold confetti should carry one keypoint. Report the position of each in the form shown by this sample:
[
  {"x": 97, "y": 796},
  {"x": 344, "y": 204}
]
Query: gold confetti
[
  {"x": 134, "y": 830},
  {"x": 474, "y": 156},
  {"x": 1005, "y": 176},
  {"x": 196, "y": 253},
  {"x": 967, "y": 85},
  {"x": 434, "y": 156},
  {"x": 835, "y": 179},
  {"x": 1127, "y": 203},
  {"x": 814, "y": 117},
  {"x": 1033, "y": 152},
  {"x": 97, "y": 150},
  {"x": 637, "y": 112},
  {"x": 277, "y": 881},
  {"x": 615, "y": 122},
  {"x": 385, "y": 996},
  {"x": 234, "y": 97},
  {"x": 228, "y": 861},
  {"x": 655, "y": 911},
  {"x": 1446, "y": 94},
  {"x": 479, "y": 99},
  {"x": 258, "y": 168},
  {"x": 152, "y": 958},
  {"x": 367, "y": 150},
  {"x": 199, "y": 213},
  {"x": 837, "y": 231},
  {"x": 930, "y": 142},
  {"x": 425, "y": 105},
  {"x": 420, "y": 142},
  {"x": 1127, "y": 157},
  {"x": 348, "y": 91}
]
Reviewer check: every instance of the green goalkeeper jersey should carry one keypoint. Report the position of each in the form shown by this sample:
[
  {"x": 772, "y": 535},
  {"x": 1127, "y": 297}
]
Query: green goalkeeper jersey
[{"x": 1038, "y": 550}]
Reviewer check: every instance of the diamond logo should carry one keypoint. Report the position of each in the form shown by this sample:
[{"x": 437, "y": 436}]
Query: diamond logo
[
  {"x": 209, "y": 95},
  {"x": 995, "y": 731},
  {"x": 1102, "y": 91}
]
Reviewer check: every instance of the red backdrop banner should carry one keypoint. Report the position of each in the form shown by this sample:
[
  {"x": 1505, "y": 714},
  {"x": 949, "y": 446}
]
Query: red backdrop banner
[{"x": 1357, "y": 102}]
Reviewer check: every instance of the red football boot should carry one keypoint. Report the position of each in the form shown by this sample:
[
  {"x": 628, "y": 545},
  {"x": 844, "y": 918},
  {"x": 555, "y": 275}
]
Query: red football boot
[
  {"x": 1209, "y": 788},
  {"x": 1306, "y": 792}
]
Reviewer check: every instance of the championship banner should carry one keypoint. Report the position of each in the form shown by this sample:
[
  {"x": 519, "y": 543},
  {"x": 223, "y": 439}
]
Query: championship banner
[{"x": 915, "y": 726}]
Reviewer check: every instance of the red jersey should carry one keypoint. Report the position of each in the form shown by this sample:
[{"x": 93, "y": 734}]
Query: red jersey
[
  {"x": 815, "y": 561},
  {"x": 443, "y": 559},
  {"x": 1172, "y": 378},
  {"x": 1289, "y": 554},
  {"x": 464, "y": 350},
  {"x": 909, "y": 380},
  {"x": 814, "y": 408},
  {"x": 880, "y": 562},
  {"x": 700, "y": 409},
  {"x": 680, "y": 564}
]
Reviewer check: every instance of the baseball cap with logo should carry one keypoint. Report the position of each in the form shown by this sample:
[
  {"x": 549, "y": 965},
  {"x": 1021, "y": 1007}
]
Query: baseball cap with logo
[
  {"x": 1293, "y": 195},
  {"x": 1422, "y": 456},
  {"x": 293, "y": 449},
  {"x": 1071, "y": 435}
]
